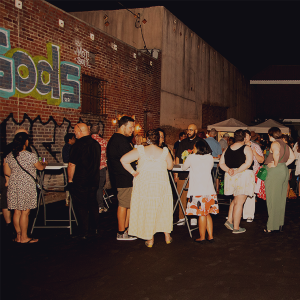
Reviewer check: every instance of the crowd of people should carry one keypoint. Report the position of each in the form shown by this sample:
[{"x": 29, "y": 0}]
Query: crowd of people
[{"x": 139, "y": 172}]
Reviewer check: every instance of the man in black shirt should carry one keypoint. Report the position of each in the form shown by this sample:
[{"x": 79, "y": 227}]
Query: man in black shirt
[
  {"x": 69, "y": 142},
  {"x": 182, "y": 136},
  {"x": 117, "y": 146},
  {"x": 83, "y": 178},
  {"x": 186, "y": 144}
]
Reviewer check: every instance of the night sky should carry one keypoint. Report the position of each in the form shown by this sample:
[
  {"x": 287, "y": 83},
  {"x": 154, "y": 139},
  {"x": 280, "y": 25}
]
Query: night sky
[{"x": 250, "y": 34}]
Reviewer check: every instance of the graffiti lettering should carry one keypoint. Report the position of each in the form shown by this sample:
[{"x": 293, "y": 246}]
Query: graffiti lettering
[
  {"x": 83, "y": 55},
  {"x": 41, "y": 77}
]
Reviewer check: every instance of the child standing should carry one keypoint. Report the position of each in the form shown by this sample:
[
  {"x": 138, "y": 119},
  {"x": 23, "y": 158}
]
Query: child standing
[{"x": 202, "y": 197}]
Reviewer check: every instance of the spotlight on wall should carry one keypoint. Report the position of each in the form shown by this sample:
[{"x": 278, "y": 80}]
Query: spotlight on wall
[
  {"x": 117, "y": 117},
  {"x": 137, "y": 128}
]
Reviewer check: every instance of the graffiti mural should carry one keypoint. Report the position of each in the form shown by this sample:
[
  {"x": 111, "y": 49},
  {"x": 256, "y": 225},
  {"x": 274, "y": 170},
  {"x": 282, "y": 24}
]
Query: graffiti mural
[{"x": 44, "y": 78}]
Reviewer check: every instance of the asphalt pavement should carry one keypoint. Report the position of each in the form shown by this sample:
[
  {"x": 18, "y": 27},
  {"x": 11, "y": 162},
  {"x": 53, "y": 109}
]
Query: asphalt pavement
[{"x": 251, "y": 265}]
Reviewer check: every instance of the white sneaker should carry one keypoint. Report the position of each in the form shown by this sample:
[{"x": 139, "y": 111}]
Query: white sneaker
[
  {"x": 194, "y": 222},
  {"x": 249, "y": 220},
  {"x": 181, "y": 222},
  {"x": 125, "y": 237}
]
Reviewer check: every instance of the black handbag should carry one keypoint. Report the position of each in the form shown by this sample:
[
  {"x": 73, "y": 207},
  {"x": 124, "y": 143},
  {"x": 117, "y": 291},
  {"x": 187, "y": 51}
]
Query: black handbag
[{"x": 38, "y": 186}]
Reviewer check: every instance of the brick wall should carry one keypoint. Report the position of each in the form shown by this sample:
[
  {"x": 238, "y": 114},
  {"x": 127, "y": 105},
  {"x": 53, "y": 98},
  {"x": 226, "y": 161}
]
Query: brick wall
[{"x": 44, "y": 96}]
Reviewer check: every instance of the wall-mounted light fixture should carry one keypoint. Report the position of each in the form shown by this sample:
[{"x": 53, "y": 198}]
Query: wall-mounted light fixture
[
  {"x": 106, "y": 23},
  {"x": 117, "y": 117},
  {"x": 137, "y": 128}
]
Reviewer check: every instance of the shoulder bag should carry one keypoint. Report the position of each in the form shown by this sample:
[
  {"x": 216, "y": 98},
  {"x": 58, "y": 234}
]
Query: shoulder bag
[
  {"x": 263, "y": 172},
  {"x": 38, "y": 186}
]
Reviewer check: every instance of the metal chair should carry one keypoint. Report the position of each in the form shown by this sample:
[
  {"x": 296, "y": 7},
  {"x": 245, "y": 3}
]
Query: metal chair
[{"x": 107, "y": 197}]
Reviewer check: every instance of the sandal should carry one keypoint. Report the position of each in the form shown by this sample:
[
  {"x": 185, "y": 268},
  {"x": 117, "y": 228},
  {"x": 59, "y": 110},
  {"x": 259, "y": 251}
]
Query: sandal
[
  {"x": 31, "y": 241},
  {"x": 169, "y": 241},
  {"x": 267, "y": 231},
  {"x": 149, "y": 244}
]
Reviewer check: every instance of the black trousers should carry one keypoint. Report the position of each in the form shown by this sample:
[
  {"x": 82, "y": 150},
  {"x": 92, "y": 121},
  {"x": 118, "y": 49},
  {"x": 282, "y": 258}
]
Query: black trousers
[{"x": 86, "y": 208}]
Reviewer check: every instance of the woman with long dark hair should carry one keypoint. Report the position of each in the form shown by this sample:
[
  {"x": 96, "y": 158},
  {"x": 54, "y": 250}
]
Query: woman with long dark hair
[
  {"x": 21, "y": 193},
  {"x": 280, "y": 156}
]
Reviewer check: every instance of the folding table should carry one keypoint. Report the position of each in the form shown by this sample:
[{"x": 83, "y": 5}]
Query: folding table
[
  {"x": 41, "y": 198},
  {"x": 176, "y": 169}
]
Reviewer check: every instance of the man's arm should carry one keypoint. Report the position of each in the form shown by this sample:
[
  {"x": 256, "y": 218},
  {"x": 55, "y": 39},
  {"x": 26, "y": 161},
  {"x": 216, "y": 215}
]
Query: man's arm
[
  {"x": 71, "y": 171},
  {"x": 259, "y": 156}
]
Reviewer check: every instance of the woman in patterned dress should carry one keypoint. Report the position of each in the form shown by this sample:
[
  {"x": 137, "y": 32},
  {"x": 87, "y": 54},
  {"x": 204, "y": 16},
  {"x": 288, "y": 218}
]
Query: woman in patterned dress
[
  {"x": 151, "y": 208},
  {"x": 202, "y": 197},
  {"x": 21, "y": 193},
  {"x": 237, "y": 162}
]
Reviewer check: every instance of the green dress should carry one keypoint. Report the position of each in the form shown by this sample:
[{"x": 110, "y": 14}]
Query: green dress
[{"x": 276, "y": 189}]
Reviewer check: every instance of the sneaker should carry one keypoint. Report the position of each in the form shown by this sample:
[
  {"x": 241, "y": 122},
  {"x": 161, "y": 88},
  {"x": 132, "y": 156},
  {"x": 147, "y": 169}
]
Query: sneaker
[
  {"x": 240, "y": 230},
  {"x": 125, "y": 237},
  {"x": 194, "y": 222},
  {"x": 249, "y": 220},
  {"x": 228, "y": 225},
  {"x": 181, "y": 222},
  {"x": 102, "y": 209}
]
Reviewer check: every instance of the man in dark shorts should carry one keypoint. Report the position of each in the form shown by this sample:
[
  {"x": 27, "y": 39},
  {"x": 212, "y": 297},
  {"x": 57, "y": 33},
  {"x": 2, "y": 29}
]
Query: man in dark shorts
[
  {"x": 117, "y": 146},
  {"x": 83, "y": 178}
]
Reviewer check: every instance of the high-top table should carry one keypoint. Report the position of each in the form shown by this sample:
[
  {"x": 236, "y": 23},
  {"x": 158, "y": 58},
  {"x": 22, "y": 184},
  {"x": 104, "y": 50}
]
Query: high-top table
[{"x": 41, "y": 197}]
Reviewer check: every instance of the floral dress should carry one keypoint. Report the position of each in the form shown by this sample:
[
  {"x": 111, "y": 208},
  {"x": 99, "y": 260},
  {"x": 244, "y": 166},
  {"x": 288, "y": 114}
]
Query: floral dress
[
  {"x": 202, "y": 197},
  {"x": 21, "y": 192}
]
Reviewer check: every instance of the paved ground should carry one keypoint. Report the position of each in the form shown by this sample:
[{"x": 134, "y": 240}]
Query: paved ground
[{"x": 252, "y": 265}]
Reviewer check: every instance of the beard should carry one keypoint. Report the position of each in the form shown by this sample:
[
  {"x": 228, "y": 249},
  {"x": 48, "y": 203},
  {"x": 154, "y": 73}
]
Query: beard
[{"x": 191, "y": 135}]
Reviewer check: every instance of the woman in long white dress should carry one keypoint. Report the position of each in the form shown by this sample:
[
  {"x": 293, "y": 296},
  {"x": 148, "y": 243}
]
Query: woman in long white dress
[{"x": 151, "y": 208}]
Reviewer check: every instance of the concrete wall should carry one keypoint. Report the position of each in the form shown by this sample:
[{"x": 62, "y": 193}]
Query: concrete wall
[
  {"x": 124, "y": 26},
  {"x": 193, "y": 73}
]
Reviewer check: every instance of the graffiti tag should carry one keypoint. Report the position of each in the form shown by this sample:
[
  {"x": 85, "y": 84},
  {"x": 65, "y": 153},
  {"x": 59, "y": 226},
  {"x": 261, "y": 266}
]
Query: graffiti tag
[{"x": 43, "y": 78}]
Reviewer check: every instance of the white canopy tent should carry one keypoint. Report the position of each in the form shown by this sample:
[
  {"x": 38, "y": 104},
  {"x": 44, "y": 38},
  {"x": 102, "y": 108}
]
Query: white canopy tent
[
  {"x": 265, "y": 126},
  {"x": 229, "y": 125}
]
